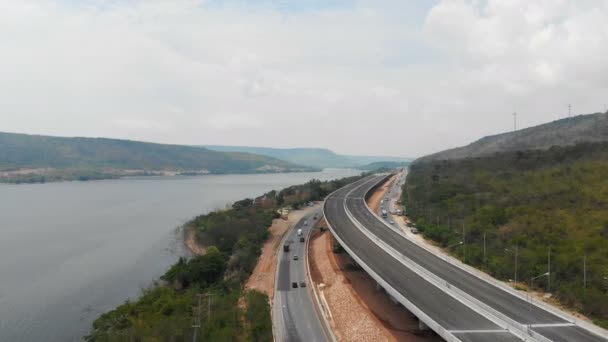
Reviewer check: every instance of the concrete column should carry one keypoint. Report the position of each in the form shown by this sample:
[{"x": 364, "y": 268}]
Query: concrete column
[{"x": 422, "y": 326}]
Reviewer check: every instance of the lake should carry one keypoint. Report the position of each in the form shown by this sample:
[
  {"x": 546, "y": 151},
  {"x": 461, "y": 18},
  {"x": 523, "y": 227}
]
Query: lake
[{"x": 70, "y": 251}]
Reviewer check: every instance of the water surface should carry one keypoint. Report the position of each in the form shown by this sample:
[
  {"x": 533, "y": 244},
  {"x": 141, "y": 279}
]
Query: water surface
[{"x": 72, "y": 250}]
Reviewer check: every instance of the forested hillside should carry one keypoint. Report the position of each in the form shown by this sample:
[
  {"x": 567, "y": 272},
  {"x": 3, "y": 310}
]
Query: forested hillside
[
  {"x": 533, "y": 203},
  {"x": 563, "y": 132},
  {"x": 44, "y": 158}
]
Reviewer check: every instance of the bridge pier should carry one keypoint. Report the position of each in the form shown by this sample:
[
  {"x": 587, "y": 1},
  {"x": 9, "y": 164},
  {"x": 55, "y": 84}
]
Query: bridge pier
[{"x": 422, "y": 326}]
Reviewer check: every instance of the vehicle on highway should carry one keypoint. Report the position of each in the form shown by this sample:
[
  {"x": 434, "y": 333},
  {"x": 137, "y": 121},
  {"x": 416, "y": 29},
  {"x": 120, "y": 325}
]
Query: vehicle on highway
[
  {"x": 294, "y": 284},
  {"x": 414, "y": 231},
  {"x": 286, "y": 247},
  {"x": 391, "y": 222},
  {"x": 302, "y": 239},
  {"x": 306, "y": 222},
  {"x": 300, "y": 232},
  {"x": 384, "y": 213},
  {"x": 295, "y": 257},
  {"x": 302, "y": 284}
]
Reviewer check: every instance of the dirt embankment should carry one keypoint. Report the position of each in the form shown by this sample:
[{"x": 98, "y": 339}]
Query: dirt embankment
[
  {"x": 192, "y": 244},
  {"x": 360, "y": 311},
  {"x": 376, "y": 198},
  {"x": 263, "y": 276}
]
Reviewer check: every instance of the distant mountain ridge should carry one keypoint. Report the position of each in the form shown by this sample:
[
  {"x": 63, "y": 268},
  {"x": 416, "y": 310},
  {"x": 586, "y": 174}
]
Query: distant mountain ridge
[
  {"x": 563, "y": 132},
  {"x": 110, "y": 157},
  {"x": 313, "y": 157}
]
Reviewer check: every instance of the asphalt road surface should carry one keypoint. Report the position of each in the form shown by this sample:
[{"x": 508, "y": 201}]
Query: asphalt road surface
[
  {"x": 451, "y": 314},
  {"x": 298, "y": 318}
]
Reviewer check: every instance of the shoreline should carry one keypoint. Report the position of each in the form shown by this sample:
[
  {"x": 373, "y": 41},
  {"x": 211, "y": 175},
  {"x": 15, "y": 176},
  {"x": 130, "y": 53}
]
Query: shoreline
[{"x": 43, "y": 178}]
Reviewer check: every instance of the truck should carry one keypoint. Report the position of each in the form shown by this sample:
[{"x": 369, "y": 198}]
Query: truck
[
  {"x": 302, "y": 239},
  {"x": 286, "y": 247},
  {"x": 384, "y": 213},
  {"x": 300, "y": 232}
]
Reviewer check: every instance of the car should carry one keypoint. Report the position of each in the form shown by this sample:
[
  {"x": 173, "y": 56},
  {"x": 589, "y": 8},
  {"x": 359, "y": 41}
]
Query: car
[
  {"x": 414, "y": 231},
  {"x": 294, "y": 284},
  {"x": 295, "y": 257},
  {"x": 391, "y": 222},
  {"x": 302, "y": 284}
]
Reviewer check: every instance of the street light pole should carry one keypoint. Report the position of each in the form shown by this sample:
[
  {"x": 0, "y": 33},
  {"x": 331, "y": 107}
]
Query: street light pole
[
  {"x": 464, "y": 245},
  {"x": 516, "y": 255},
  {"x": 585, "y": 273},
  {"x": 542, "y": 275},
  {"x": 456, "y": 244},
  {"x": 484, "y": 248},
  {"x": 549, "y": 270}
]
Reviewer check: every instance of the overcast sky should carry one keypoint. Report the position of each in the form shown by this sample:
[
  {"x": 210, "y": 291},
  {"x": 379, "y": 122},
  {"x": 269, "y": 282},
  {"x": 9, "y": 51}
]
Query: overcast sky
[{"x": 390, "y": 77}]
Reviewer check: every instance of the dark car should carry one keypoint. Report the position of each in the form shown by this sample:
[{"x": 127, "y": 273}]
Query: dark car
[
  {"x": 295, "y": 257},
  {"x": 302, "y": 284},
  {"x": 294, "y": 284}
]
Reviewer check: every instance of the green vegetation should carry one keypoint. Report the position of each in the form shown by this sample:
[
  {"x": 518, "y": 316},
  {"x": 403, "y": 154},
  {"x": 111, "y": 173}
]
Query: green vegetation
[
  {"x": 54, "y": 158},
  {"x": 533, "y": 201},
  {"x": 234, "y": 238}
]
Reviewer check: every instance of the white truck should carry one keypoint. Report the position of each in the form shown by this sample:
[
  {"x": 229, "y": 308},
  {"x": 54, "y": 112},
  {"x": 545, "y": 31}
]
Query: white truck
[
  {"x": 384, "y": 213},
  {"x": 299, "y": 232}
]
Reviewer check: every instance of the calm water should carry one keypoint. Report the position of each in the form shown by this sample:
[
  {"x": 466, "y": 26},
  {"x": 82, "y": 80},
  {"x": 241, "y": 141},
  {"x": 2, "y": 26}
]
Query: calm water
[{"x": 70, "y": 251}]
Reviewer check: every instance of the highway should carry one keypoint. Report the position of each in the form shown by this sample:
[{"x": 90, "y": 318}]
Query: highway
[
  {"x": 454, "y": 315},
  {"x": 295, "y": 315}
]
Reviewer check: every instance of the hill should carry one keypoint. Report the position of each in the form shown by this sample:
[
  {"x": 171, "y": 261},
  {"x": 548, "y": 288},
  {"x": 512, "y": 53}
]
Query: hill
[
  {"x": 383, "y": 165},
  {"x": 313, "y": 157},
  {"x": 45, "y": 158},
  {"x": 564, "y": 132}
]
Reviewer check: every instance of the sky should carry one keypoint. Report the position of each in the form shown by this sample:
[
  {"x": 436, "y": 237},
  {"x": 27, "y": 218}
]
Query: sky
[{"x": 375, "y": 77}]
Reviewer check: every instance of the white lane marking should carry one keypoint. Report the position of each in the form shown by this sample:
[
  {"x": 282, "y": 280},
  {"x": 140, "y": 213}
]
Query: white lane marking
[
  {"x": 481, "y": 331},
  {"x": 548, "y": 325}
]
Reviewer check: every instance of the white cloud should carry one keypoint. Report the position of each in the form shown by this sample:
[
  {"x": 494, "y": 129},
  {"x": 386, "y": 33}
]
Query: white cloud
[{"x": 381, "y": 77}]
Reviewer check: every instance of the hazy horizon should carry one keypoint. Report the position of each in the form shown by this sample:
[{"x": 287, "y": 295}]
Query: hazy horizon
[{"x": 357, "y": 77}]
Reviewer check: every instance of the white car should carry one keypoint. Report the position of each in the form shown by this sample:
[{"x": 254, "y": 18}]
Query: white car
[{"x": 391, "y": 222}]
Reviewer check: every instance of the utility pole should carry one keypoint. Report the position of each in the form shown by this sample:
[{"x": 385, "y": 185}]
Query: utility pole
[
  {"x": 569, "y": 110},
  {"x": 209, "y": 305},
  {"x": 197, "y": 323},
  {"x": 514, "y": 121}
]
